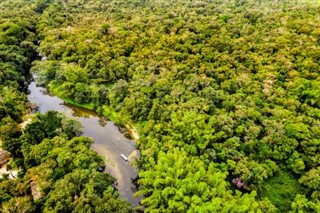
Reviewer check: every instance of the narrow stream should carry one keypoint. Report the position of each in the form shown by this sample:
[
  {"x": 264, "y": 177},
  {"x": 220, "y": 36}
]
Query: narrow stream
[{"x": 108, "y": 141}]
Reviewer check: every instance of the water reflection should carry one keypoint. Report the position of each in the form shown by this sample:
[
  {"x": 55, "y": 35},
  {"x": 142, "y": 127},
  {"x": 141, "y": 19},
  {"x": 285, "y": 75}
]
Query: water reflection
[{"x": 108, "y": 140}]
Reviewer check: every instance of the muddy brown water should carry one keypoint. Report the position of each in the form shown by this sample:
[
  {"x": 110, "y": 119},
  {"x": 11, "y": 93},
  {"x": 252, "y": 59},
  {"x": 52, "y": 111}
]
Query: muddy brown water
[{"x": 108, "y": 140}]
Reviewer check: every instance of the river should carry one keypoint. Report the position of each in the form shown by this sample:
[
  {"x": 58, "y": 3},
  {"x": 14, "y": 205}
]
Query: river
[{"x": 108, "y": 140}]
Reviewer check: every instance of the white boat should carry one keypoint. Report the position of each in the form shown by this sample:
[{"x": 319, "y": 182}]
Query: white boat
[{"x": 124, "y": 157}]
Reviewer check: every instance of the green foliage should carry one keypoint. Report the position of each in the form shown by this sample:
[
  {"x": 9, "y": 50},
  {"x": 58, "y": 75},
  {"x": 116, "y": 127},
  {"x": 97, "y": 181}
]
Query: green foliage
[
  {"x": 64, "y": 170},
  {"x": 219, "y": 89},
  {"x": 9, "y": 134},
  {"x": 47, "y": 152},
  {"x": 13, "y": 104},
  {"x": 177, "y": 183},
  {"x": 49, "y": 125},
  {"x": 281, "y": 189},
  {"x": 311, "y": 179},
  {"x": 18, "y": 205},
  {"x": 84, "y": 191},
  {"x": 302, "y": 204},
  {"x": 231, "y": 83}
]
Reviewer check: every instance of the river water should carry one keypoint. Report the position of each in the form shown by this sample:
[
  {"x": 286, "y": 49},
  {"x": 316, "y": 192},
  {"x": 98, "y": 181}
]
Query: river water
[{"x": 108, "y": 140}]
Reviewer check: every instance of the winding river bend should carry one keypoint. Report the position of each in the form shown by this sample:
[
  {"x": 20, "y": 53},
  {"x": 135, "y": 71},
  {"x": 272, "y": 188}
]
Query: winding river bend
[{"x": 108, "y": 140}]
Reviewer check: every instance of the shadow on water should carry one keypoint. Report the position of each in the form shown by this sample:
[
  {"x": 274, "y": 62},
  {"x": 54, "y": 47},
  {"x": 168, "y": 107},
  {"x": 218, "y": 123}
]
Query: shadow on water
[{"x": 108, "y": 140}]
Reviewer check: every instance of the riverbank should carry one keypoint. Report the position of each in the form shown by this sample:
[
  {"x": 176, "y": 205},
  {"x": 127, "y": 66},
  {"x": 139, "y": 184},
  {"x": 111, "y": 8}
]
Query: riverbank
[
  {"x": 104, "y": 110},
  {"x": 109, "y": 142}
]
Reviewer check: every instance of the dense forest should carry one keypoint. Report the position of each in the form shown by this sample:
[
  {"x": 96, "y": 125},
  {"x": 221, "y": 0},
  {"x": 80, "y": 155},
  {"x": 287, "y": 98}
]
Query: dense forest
[
  {"x": 57, "y": 169},
  {"x": 224, "y": 94}
]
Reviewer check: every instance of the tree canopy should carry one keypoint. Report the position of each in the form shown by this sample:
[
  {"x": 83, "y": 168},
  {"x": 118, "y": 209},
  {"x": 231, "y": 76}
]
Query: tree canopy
[
  {"x": 225, "y": 95},
  {"x": 57, "y": 169}
]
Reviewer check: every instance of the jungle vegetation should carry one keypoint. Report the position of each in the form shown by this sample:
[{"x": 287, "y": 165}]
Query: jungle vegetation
[
  {"x": 225, "y": 94},
  {"x": 57, "y": 169}
]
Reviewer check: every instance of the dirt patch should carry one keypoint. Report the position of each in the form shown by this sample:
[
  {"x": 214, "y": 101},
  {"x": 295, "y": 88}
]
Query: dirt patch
[
  {"x": 133, "y": 132},
  {"x": 12, "y": 174},
  {"x": 25, "y": 123}
]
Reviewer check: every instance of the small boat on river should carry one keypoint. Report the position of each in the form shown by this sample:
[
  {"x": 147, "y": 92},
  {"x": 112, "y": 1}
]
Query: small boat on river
[{"x": 124, "y": 157}]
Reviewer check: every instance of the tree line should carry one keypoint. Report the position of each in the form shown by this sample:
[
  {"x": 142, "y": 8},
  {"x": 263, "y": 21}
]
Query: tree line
[
  {"x": 224, "y": 94},
  {"x": 57, "y": 169}
]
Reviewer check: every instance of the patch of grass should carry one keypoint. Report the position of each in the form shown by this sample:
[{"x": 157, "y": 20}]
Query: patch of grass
[
  {"x": 59, "y": 93},
  {"x": 89, "y": 106},
  {"x": 281, "y": 190},
  {"x": 110, "y": 114}
]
